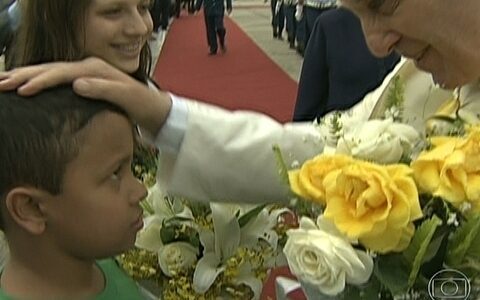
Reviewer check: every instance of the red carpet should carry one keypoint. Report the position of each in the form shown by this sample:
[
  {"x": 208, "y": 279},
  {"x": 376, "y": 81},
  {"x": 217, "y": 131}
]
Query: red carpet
[{"x": 243, "y": 78}]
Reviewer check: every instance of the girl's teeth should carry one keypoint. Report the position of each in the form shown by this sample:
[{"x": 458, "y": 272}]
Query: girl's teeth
[{"x": 129, "y": 48}]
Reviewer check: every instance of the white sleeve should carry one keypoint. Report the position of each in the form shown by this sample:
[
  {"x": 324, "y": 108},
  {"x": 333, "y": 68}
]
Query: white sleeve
[
  {"x": 220, "y": 155},
  {"x": 227, "y": 156},
  {"x": 170, "y": 137}
]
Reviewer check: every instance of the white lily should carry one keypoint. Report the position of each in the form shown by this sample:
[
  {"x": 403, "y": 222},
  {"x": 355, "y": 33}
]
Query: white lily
[
  {"x": 262, "y": 227},
  {"x": 224, "y": 242},
  {"x": 163, "y": 209}
]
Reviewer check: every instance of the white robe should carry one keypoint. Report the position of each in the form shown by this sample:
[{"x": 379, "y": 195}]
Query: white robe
[{"x": 227, "y": 156}]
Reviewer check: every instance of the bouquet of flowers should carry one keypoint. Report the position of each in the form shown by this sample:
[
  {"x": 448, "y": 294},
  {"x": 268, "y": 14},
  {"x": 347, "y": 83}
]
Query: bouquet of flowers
[
  {"x": 190, "y": 250},
  {"x": 399, "y": 213}
]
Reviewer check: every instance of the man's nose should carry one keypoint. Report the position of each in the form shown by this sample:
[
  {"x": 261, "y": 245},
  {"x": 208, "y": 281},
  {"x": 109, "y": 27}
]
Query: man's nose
[{"x": 380, "y": 40}]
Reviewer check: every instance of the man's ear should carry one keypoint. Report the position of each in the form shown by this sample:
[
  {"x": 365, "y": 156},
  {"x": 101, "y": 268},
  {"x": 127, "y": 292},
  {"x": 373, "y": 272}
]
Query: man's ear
[{"x": 24, "y": 207}]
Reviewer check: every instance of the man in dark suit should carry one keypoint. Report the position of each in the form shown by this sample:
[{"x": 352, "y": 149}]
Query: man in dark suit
[
  {"x": 214, "y": 11},
  {"x": 311, "y": 11},
  {"x": 338, "y": 68}
]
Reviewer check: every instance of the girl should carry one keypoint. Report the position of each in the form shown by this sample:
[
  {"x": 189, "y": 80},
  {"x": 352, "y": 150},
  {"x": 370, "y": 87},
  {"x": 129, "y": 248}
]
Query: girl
[{"x": 207, "y": 153}]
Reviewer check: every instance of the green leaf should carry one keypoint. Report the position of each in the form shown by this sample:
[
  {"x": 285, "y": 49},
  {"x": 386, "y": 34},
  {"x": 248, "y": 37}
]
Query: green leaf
[
  {"x": 177, "y": 220},
  {"x": 433, "y": 247},
  {"x": 167, "y": 234},
  {"x": 392, "y": 272},
  {"x": 415, "y": 253},
  {"x": 194, "y": 240},
  {"x": 250, "y": 215},
  {"x": 367, "y": 291},
  {"x": 281, "y": 165},
  {"x": 465, "y": 241},
  {"x": 395, "y": 96}
]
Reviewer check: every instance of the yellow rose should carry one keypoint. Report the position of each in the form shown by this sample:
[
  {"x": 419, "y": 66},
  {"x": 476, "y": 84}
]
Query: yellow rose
[
  {"x": 307, "y": 181},
  {"x": 451, "y": 170},
  {"x": 374, "y": 204}
]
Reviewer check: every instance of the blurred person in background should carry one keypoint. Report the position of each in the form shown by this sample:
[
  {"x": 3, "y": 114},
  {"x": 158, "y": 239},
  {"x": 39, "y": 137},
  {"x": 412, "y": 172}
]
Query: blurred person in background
[
  {"x": 278, "y": 18},
  {"x": 338, "y": 69},
  {"x": 214, "y": 11}
]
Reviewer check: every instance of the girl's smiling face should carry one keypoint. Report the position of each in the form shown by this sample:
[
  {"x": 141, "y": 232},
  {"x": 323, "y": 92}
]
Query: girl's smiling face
[{"x": 117, "y": 30}]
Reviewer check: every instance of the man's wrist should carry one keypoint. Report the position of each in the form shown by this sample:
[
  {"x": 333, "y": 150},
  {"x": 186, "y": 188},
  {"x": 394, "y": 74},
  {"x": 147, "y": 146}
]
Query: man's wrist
[{"x": 170, "y": 137}]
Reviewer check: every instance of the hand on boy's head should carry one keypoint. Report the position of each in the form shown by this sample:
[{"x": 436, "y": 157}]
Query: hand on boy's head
[
  {"x": 96, "y": 79},
  {"x": 31, "y": 80}
]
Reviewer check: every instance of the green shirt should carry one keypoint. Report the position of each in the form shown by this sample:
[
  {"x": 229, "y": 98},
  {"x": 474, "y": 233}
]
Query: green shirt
[{"x": 118, "y": 286}]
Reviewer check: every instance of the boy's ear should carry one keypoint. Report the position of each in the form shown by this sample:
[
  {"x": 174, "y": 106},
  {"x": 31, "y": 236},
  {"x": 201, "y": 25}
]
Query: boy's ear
[{"x": 24, "y": 207}]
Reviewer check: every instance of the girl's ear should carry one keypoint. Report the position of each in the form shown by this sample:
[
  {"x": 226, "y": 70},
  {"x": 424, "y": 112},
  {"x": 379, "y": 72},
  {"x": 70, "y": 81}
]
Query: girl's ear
[{"x": 24, "y": 208}]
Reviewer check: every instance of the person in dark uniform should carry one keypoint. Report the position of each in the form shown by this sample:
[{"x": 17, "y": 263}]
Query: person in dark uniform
[
  {"x": 338, "y": 69},
  {"x": 311, "y": 11},
  {"x": 190, "y": 5},
  {"x": 290, "y": 7},
  {"x": 278, "y": 18},
  {"x": 214, "y": 11}
]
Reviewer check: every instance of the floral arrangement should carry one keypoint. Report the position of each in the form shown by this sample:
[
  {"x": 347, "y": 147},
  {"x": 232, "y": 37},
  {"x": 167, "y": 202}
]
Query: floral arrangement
[
  {"x": 190, "y": 250},
  {"x": 398, "y": 213}
]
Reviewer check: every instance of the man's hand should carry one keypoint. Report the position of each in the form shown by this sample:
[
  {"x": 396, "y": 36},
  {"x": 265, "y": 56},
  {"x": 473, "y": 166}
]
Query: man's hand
[{"x": 96, "y": 79}]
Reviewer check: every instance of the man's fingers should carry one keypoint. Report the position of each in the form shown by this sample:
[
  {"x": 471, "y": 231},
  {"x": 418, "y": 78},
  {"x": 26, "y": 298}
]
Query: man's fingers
[
  {"x": 103, "y": 89},
  {"x": 31, "y": 80},
  {"x": 3, "y": 75},
  {"x": 62, "y": 73},
  {"x": 15, "y": 78}
]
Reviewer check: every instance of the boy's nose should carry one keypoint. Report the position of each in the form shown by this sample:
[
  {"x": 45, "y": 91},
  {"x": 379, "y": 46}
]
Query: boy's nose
[{"x": 139, "y": 192}]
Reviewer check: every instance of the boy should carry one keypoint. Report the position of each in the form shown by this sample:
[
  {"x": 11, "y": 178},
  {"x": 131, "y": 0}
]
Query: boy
[{"x": 68, "y": 197}]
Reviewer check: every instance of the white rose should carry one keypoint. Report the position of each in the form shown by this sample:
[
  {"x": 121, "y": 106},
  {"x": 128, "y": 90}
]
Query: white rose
[
  {"x": 322, "y": 259},
  {"x": 381, "y": 141},
  {"x": 176, "y": 257}
]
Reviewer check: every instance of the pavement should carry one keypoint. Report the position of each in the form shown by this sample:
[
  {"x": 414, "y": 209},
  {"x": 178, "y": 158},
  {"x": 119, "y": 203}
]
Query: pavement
[{"x": 254, "y": 17}]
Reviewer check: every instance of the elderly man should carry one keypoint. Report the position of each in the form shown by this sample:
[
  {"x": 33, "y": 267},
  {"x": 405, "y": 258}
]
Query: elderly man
[
  {"x": 236, "y": 163},
  {"x": 441, "y": 37}
]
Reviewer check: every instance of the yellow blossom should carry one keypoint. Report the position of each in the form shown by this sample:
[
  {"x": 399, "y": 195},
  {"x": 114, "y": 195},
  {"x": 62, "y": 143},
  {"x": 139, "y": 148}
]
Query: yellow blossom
[
  {"x": 451, "y": 170},
  {"x": 307, "y": 181},
  {"x": 374, "y": 204}
]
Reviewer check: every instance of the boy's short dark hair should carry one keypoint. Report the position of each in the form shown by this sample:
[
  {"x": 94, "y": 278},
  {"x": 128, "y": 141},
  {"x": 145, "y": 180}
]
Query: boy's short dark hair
[{"x": 39, "y": 136}]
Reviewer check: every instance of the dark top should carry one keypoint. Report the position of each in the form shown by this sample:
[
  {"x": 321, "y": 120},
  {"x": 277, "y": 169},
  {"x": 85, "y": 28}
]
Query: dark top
[
  {"x": 6, "y": 32},
  {"x": 338, "y": 69},
  {"x": 213, "y": 7}
]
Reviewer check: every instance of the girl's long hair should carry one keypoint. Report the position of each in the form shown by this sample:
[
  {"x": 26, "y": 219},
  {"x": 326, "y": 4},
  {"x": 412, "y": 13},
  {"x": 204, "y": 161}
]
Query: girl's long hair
[{"x": 49, "y": 32}]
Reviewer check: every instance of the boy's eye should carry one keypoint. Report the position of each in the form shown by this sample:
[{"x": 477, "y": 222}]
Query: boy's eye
[{"x": 117, "y": 174}]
